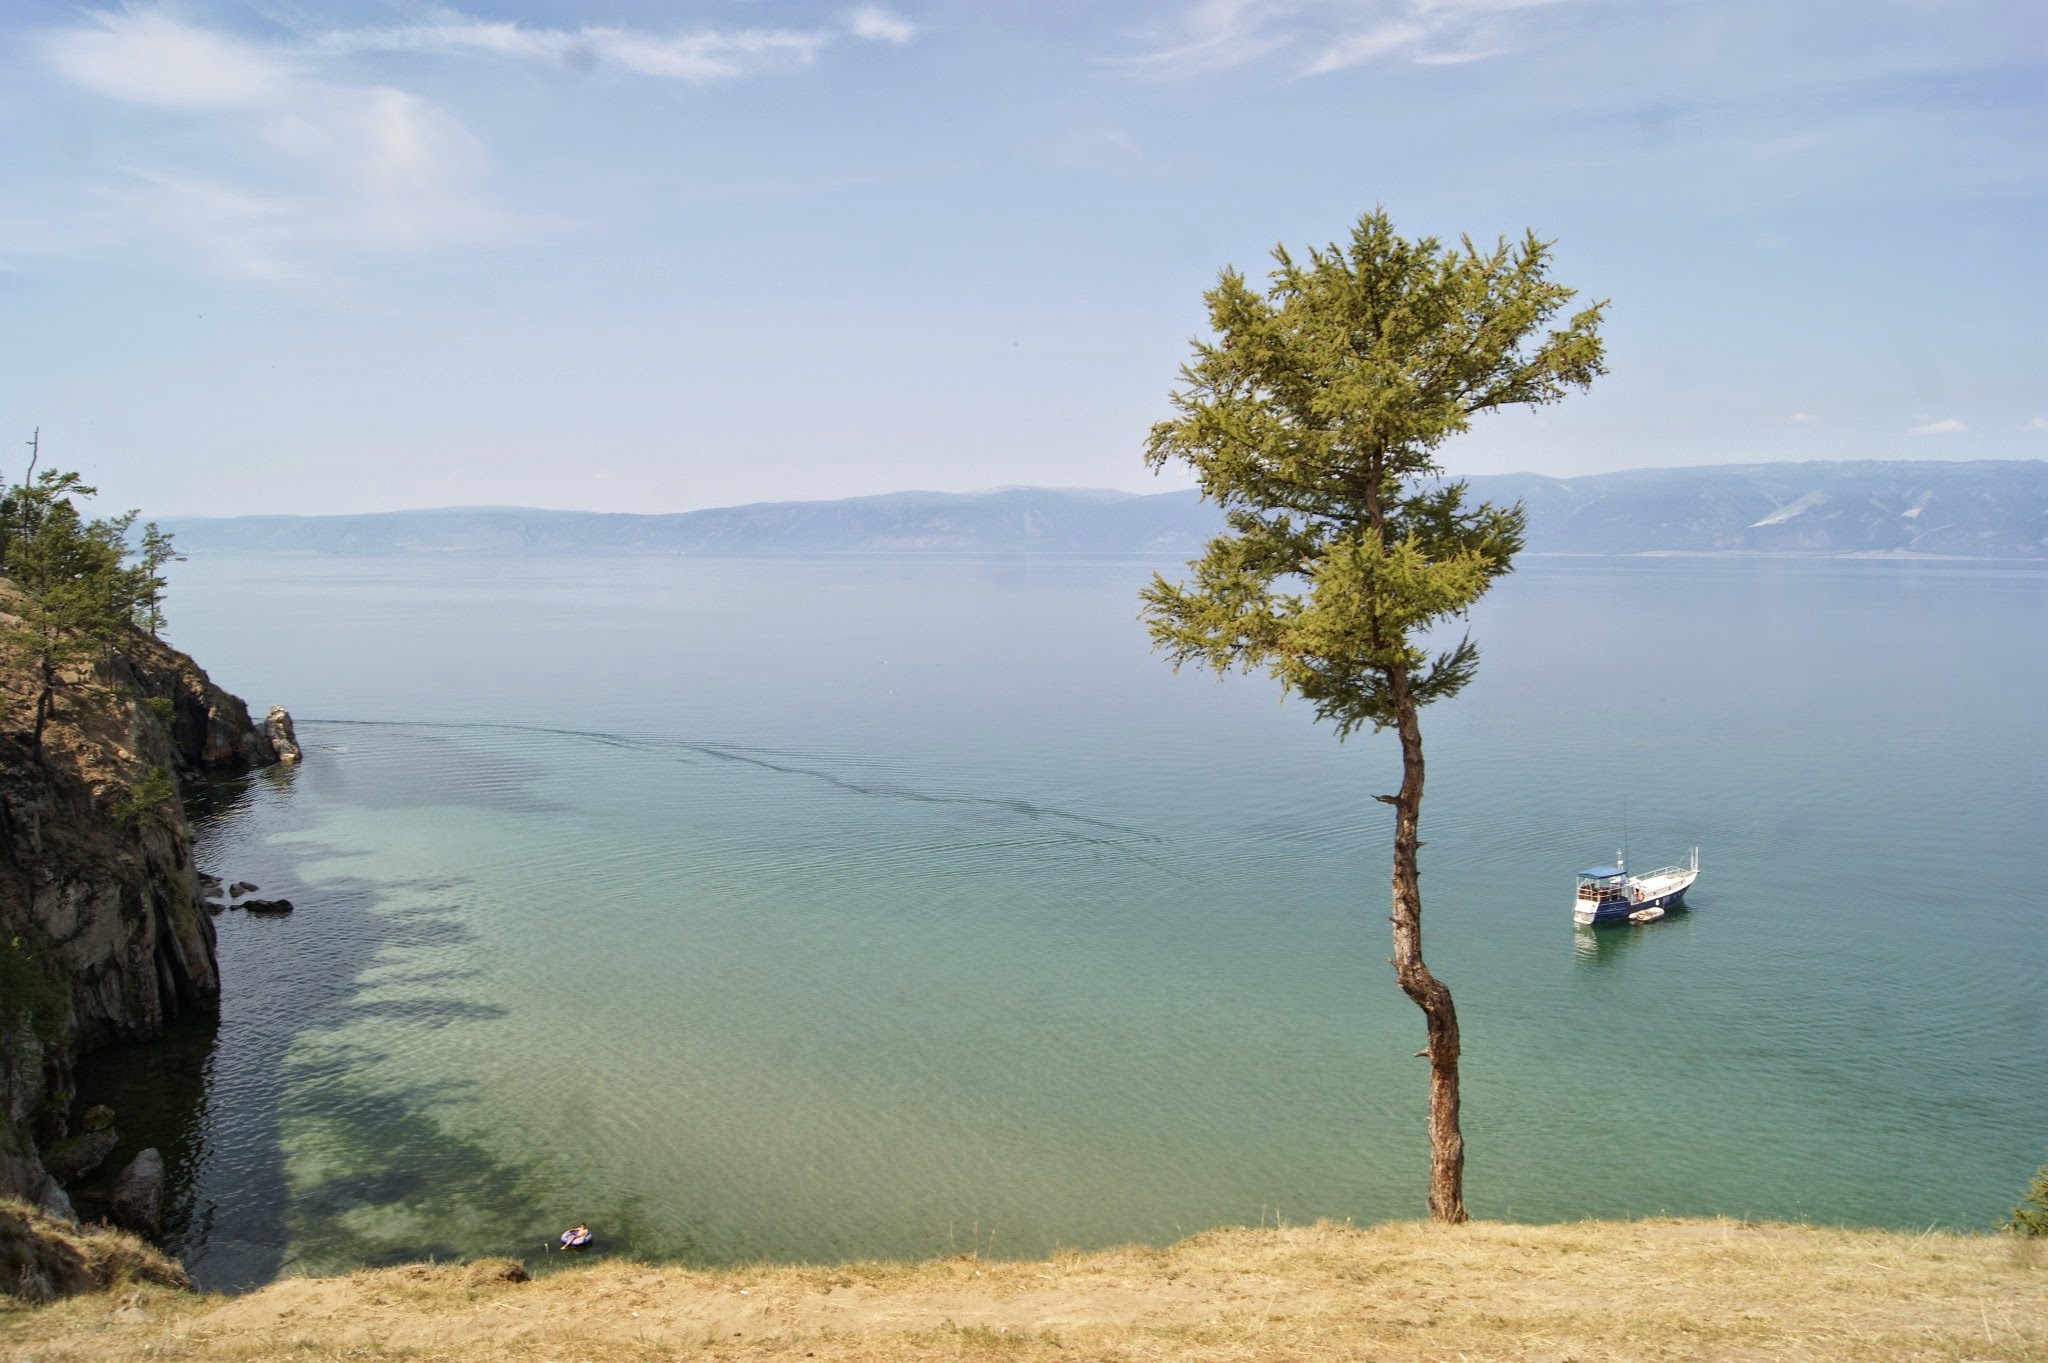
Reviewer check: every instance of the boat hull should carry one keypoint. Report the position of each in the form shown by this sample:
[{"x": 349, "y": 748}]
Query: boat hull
[{"x": 1617, "y": 911}]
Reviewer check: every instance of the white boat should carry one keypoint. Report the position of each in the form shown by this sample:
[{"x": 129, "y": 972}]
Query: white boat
[{"x": 1609, "y": 894}]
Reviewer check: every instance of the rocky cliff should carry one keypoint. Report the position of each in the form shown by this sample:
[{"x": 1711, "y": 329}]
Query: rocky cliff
[{"x": 103, "y": 933}]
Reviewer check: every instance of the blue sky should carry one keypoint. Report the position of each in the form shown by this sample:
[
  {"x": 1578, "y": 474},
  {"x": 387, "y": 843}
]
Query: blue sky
[{"x": 309, "y": 256}]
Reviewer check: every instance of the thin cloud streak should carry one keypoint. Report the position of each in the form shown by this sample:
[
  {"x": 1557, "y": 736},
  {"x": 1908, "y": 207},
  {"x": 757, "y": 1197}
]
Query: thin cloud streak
[
  {"x": 1946, "y": 426},
  {"x": 705, "y": 55},
  {"x": 1358, "y": 48},
  {"x": 1321, "y": 37},
  {"x": 701, "y": 55}
]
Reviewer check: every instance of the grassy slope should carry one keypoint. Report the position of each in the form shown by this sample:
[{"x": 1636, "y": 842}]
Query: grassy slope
[
  {"x": 1640, "y": 1290},
  {"x": 41, "y": 1256}
]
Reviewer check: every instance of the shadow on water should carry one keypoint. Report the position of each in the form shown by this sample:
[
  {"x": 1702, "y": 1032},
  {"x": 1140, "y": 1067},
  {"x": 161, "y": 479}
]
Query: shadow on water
[
  {"x": 394, "y": 1181},
  {"x": 161, "y": 1090},
  {"x": 279, "y": 1149}
]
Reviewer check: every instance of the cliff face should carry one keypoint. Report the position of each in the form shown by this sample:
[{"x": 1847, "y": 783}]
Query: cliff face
[{"x": 103, "y": 935}]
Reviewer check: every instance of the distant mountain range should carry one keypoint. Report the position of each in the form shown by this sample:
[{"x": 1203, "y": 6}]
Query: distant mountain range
[{"x": 1977, "y": 510}]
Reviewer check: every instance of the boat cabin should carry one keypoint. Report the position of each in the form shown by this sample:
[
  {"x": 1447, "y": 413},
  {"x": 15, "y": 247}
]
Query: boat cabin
[{"x": 1603, "y": 885}]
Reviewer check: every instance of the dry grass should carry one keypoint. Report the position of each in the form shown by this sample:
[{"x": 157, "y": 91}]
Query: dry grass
[
  {"x": 42, "y": 1257},
  {"x": 1664, "y": 1290}
]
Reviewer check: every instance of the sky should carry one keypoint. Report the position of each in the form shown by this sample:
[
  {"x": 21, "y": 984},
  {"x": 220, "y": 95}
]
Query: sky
[{"x": 306, "y": 256}]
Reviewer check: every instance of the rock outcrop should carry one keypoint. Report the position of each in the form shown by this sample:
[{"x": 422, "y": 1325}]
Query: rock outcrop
[
  {"x": 137, "y": 1203},
  {"x": 103, "y": 936},
  {"x": 284, "y": 740},
  {"x": 81, "y": 1154}
]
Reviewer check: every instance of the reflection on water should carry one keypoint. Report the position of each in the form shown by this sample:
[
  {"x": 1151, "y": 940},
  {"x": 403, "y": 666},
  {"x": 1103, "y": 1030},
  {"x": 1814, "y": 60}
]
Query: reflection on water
[{"x": 1609, "y": 943}]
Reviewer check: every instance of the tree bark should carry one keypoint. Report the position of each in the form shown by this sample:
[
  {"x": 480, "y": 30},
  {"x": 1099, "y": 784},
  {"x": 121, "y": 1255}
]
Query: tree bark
[
  {"x": 46, "y": 699},
  {"x": 1446, "y": 1141}
]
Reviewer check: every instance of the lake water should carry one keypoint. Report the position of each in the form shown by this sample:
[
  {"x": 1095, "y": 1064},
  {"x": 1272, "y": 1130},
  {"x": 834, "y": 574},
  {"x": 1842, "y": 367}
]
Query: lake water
[{"x": 893, "y": 907}]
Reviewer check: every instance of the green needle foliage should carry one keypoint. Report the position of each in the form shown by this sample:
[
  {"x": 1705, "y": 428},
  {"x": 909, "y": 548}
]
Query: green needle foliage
[
  {"x": 2030, "y": 1218},
  {"x": 152, "y": 793},
  {"x": 80, "y": 594},
  {"x": 1313, "y": 418}
]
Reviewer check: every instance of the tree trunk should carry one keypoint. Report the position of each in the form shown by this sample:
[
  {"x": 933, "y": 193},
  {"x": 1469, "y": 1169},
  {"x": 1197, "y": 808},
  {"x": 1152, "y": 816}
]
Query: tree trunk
[
  {"x": 46, "y": 699},
  {"x": 1446, "y": 1141}
]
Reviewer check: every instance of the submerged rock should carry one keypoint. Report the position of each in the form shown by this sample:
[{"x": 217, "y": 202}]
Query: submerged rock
[
  {"x": 278, "y": 727},
  {"x": 266, "y": 906},
  {"x": 242, "y": 887},
  {"x": 67, "y": 1160},
  {"x": 137, "y": 1203}
]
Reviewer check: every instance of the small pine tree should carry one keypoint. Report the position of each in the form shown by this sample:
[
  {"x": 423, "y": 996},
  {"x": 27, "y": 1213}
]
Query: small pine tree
[
  {"x": 151, "y": 794},
  {"x": 80, "y": 596},
  {"x": 2030, "y": 1218},
  {"x": 147, "y": 577}
]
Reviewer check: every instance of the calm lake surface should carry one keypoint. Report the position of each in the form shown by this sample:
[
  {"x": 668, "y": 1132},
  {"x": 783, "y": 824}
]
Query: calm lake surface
[{"x": 892, "y": 907}]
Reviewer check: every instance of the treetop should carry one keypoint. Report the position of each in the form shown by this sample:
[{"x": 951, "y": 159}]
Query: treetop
[
  {"x": 1358, "y": 362},
  {"x": 1313, "y": 416}
]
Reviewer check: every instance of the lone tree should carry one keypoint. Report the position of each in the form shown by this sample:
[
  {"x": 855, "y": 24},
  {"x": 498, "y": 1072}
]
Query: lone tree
[{"x": 1313, "y": 418}]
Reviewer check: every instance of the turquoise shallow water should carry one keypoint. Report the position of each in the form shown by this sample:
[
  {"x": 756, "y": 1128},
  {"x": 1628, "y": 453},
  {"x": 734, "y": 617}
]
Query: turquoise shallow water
[{"x": 888, "y": 907}]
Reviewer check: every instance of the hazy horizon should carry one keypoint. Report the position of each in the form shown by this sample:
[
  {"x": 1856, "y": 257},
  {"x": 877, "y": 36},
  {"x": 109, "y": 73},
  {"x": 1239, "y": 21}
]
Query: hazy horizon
[{"x": 1113, "y": 492}]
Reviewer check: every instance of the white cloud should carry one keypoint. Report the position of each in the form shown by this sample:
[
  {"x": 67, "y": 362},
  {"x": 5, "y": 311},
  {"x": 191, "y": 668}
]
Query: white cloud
[
  {"x": 321, "y": 170},
  {"x": 286, "y": 165},
  {"x": 879, "y": 25},
  {"x": 1319, "y": 37},
  {"x": 705, "y": 56},
  {"x": 148, "y": 57},
  {"x": 1802, "y": 418},
  {"x": 2039, "y": 423},
  {"x": 1946, "y": 426}
]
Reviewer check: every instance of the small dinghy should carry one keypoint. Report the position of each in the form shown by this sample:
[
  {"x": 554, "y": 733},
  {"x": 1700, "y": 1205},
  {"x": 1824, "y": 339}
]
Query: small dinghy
[{"x": 1649, "y": 915}]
